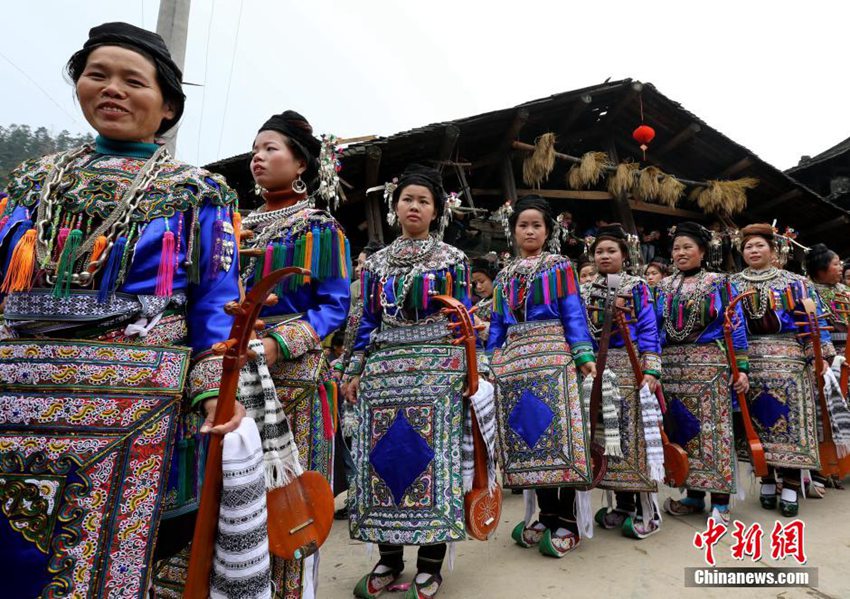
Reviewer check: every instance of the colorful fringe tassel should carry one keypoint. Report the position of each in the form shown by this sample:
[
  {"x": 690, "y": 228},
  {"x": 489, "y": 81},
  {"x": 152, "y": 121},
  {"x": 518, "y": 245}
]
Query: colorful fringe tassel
[
  {"x": 167, "y": 266},
  {"x": 113, "y": 267},
  {"x": 65, "y": 270},
  {"x": 21, "y": 271}
]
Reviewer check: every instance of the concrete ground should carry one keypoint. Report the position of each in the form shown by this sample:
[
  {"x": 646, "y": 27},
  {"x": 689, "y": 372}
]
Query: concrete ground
[{"x": 610, "y": 564}]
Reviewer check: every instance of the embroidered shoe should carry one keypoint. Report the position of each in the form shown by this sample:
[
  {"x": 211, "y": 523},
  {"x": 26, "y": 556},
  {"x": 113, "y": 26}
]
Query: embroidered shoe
[
  {"x": 767, "y": 496},
  {"x": 683, "y": 507},
  {"x": 635, "y": 527},
  {"x": 527, "y": 536},
  {"x": 789, "y": 504},
  {"x": 721, "y": 513},
  {"x": 610, "y": 518},
  {"x": 424, "y": 589},
  {"x": 555, "y": 545},
  {"x": 375, "y": 583}
]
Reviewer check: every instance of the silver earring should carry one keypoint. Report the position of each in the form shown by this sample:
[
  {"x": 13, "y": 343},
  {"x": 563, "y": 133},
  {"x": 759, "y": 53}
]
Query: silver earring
[
  {"x": 392, "y": 218},
  {"x": 298, "y": 186},
  {"x": 259, "y": 189}
]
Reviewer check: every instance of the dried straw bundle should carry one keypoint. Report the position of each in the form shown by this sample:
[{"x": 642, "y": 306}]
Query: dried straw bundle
[
  {"x": 725, "y": 196},
  {"x": 649, "y": 184},
  {"x": 671, "y": 191},
  {"x": 589, "y": 171},
  {"x": 537, "y": 167},
  {"x": 624, "y": 178}
]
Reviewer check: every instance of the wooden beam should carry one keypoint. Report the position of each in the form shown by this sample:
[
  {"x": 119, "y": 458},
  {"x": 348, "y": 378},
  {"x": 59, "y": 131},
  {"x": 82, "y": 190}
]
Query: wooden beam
[
  {"x": 674, "y": 142},
  {"x": 632, "y": 93},
  {"x": 506, "y": 174},
  {"x": 841, "y": 221},
  {"x": 773, "y": 203},
  {"x": 734, "y": 169},
  {"x": 495, "y": 157},
  {"x": 642, "y": 206},
  {"x": 621, "y": 201},
  {"x": 578, "y": 108},
  {"x": 450, "y": 136},
  {"x": 374, "y": 219},
  {"x": 559, "y": 194}
]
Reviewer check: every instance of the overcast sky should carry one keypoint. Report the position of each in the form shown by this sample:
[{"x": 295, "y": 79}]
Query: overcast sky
[{"x": 771, "y": 76}]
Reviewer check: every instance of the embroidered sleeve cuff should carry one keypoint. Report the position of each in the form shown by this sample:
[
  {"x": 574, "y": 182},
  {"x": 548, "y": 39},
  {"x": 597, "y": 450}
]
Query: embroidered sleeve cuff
[
  {"x": 355, "y": 366},
  {"x": 295, "y": 338},
  {"x": 582, "y": 353},
  {"x": 828, "y": 351},
  {"x": 205, "y": 378},
  {"x": 743, "y": 363},
  {"x": 651, "y": 363}
]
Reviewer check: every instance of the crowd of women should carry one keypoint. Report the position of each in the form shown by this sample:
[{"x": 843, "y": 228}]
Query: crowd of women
[{"x": 116, "y": 249}]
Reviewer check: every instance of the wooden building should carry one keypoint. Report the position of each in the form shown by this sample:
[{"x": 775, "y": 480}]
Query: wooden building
[{"x": 482, "y": 159}]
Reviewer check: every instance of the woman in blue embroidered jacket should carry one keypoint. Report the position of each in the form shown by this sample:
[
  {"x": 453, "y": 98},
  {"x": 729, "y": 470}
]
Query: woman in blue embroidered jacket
[
  {"x": 691, "y": 305},
  {"x": 540, "y": 286},
  {"x": 120, "y": 242},
  {"x": 641, "y": 466},
  {"x": 287, "y": 230},
  {"x": 782, "y": 394},
  {"x": 397, "y": 282}
]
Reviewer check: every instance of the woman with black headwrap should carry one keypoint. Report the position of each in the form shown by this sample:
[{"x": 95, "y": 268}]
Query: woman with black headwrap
[
  {"x": 824, "y": 269},
  {"x": 484, "y": 271},
  {"x": 288, "y": 230},
  {"x": 635, "y": 473},
  {"x": 409, "y": 484},
  {"x": 540, "y": 338},
  {"x": 782, "y": 394},
  {"x": 691, "y": 305},
  {"x": 126, "y": 255}
]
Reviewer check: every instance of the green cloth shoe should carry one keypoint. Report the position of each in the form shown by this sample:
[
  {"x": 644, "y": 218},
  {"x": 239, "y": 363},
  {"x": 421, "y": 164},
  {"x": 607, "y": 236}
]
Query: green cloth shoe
[
  {"x": 426, "y": 589},
  {"x": 373, "y": 584},
  {"x": 634, "y": 527},
  {"x": 610, "y": 519},
  {"x": 527, "y": 536},
  {"x": 555, "y": 546}
]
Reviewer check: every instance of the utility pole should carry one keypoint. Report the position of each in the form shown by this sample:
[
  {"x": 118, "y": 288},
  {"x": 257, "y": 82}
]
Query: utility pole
[{"x": 173, "y": 25}]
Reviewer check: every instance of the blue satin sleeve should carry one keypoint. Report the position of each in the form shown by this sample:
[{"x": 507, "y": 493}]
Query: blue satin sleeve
[
  {"x": 205, "y": 317},
  {"x": 645, "y": 329},
  {"x": 573, "y": 317},
  {"x": 324, "y": 303},
  {"x": 498, "y": 331}
]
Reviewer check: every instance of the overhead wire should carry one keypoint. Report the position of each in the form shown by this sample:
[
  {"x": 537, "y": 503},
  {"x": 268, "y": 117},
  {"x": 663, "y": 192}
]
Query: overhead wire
[{"x": 230, "y": 76}]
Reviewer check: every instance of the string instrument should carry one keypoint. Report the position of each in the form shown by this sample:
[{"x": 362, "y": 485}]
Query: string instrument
[
  {"x": 597, "y": 453},
  {"x": 676, "y": 464},
  {"x": 730, "y": 322},
  {"x": 482, "y": 507},
  {"x": 828, "y": 453},
  {"x": 235, "y": 354}
]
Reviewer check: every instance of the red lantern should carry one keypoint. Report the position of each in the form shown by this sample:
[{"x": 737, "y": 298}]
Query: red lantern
[{"x": 643, "y": 135}]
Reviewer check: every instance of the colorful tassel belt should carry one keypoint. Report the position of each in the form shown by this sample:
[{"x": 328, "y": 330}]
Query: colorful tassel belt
[{"x": 39, "y": 311}]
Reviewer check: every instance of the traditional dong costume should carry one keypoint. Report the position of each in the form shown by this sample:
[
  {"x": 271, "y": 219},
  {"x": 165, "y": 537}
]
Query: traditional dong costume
[
  {"x": 691, "y": 307},
  {"x": 116, "y": 261},
  {"x": 640, "y": 467},
  {"x": 835, "y": 302},
  {"x": 539, "y": 335},
  {"x": 782, "y": 392},
  {"x": 413, "y": 462}
]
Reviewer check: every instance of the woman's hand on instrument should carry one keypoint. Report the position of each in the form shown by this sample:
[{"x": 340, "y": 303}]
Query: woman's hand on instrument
[
  {"x": 588, "y": 369},
  {"x": 650, "y": 381},
  {"x": 742, "y": 385},
  {"x": 352, "y": 389},
  {"x": 222, "y": 429}
]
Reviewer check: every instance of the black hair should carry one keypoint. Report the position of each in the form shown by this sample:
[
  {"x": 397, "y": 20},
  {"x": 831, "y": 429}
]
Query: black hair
[
  {"x": 417, "y": 174},
  {"x": 533, "y": 202},
  {"x": 372, "y": 247},
  {"x": 818, "y": 259},
  {"x": 169, "y": 83}
]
